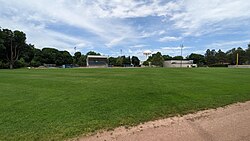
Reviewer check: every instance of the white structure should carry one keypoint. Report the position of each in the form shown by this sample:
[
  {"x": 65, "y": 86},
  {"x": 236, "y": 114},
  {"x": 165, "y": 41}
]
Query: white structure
[
  {"x": 147, "y": 53},
  {"x": 179, "y": 63},
  {"x": 97, "y": 61},
  {"x": 238, "y": 66}
]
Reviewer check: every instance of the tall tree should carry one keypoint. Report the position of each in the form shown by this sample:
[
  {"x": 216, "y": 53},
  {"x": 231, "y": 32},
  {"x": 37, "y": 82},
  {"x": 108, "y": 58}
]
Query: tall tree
[
  {"x": 112, "y": 61},
  {"x": 2, "y": 50},
  {"x": 127, "y": 61},
  {"x": 76, "y": 58},
  {"x": 231, "y": 56},
  {"x": 38, "y": 58},
  {"x": 177, "y": 58},
  {"x": 2, "y": 47},
  {"x": 135, "y": 61},
  {"x": 167, "y": 57},
  {"x": 63, "y": 57},
  {"x": 27, "y": 53},
  {"x": 157, "y": 59},
  {"x": 92, "y": 53},
  {"x": 67, "y": 58},
  {"x": 120, "y": 61},
  {"x": 221, "y": 57},
  {"x": 198, "y": 59},
  {"x": 14, "y": 42},
  {"x": 49, "y": 55},
  {"x": 248, "y": 54},
  {"x": 210, "y": 57},
  {"x": 82, "y": 60}
]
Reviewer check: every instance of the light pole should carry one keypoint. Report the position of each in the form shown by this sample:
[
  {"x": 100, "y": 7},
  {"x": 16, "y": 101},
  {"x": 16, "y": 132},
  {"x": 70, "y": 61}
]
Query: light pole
[
  {"x": 75, "y": 49},
  {"x": 181, "y": 53}
]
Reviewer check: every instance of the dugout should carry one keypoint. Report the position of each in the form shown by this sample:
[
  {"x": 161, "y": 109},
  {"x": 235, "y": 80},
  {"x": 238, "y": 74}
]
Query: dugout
[{"x": 97, "y": 61}]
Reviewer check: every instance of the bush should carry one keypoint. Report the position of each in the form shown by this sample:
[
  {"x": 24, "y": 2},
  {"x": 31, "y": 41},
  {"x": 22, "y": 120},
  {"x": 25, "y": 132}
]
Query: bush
[
  {"x": 218, "y": 65},
  {"x": 20, "y": 63},
  {"x": 35, "y": 63},
  {"x": 3, "y": 65},
  {"x": 146, "y": 63}
]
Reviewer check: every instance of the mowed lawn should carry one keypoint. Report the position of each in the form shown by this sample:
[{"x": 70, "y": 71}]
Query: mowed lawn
[{"x": 57, "y": 104}]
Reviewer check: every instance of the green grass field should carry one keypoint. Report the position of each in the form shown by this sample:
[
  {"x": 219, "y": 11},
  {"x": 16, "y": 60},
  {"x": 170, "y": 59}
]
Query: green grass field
[{"x": 56, "y": 104}]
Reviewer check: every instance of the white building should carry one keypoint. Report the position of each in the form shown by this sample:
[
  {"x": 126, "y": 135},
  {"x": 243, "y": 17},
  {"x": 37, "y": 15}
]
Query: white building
[{"x": 179, "y": 63}]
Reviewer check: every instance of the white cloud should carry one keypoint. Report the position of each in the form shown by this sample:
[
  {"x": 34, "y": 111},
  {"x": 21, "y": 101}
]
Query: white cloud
[
  {"x": 169, "y": 39},
  {"x": 202, "y": 17},
  {"x": 43, "y": 37},
  {"x": 227, "y": 45},
  {"x": 115, "y": 41},
  {"x": 74, "y": 13},
  {"x": 138, "y": 46},
  {"x": 114, "y": 22},
  {"x": 145, "y": 34},
  {"x": 135, "y": 8},
  {"x": 162, "y": 32}
]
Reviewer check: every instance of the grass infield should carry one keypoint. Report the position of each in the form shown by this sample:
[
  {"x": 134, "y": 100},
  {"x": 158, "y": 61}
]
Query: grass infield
[{"x": 57, "y": 104}]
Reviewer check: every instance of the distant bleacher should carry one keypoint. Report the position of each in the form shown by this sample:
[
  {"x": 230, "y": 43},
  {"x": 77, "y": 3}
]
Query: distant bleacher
[{"x": 97, "y": 61}]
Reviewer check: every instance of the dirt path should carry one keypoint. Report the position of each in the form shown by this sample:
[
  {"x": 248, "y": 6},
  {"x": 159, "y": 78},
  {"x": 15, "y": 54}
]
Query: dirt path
[{"x": 231, "y": 123}]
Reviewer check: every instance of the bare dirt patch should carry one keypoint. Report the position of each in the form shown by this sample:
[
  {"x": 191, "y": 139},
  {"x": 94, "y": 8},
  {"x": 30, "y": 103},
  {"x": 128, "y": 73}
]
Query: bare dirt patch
[{"x": 230, "y": 123}]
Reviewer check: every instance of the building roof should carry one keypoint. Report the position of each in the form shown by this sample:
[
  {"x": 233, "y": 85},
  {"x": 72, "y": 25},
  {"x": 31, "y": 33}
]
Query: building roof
[
  {"x": 97, "y": 56},
  {"x": 180, "y": 61}
]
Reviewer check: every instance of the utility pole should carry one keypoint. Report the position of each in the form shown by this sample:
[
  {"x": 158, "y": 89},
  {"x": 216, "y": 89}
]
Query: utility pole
[{"x": 181, "y": 53}]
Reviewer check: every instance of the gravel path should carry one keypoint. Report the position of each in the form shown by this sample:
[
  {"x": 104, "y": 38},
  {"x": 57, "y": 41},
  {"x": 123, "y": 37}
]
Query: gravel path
[{"x": 231, "y": 123}]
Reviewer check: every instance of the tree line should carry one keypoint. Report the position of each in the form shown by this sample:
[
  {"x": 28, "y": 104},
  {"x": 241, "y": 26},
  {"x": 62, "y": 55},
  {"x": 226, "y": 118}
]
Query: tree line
[
  {"x": 120, "y": 61},
  {"x": 16, "y": 53},
  {"x": 211, "y": 58}
]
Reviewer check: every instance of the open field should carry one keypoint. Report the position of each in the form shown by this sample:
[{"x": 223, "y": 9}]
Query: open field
[{"x": 56, "y": 104}]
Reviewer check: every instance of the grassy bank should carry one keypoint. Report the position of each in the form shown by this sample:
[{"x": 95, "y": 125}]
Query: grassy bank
[{"x": 56, "y": 104}]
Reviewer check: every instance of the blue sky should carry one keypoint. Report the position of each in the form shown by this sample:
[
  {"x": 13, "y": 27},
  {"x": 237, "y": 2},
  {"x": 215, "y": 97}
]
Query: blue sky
[{"x": 133, "y": 26}]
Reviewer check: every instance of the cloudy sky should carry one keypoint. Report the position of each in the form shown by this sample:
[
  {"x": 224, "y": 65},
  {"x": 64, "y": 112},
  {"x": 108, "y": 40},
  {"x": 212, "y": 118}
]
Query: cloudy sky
[{"x": 133, "y": 26}]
